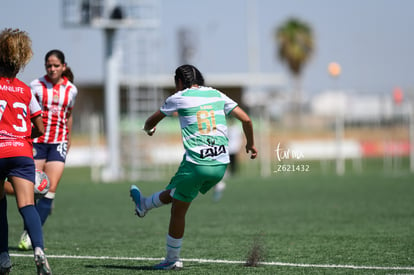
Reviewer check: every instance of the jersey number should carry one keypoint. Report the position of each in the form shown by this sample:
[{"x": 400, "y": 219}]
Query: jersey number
[
  {"x": 20, "y": 116},
  {"x": 206, "y": 122}
]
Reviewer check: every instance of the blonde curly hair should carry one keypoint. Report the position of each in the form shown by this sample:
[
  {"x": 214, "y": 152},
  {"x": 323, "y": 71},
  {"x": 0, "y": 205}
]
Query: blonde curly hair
[{"x": 15, "y": 51}]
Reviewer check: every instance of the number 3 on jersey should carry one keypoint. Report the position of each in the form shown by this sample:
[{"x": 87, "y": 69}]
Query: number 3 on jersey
[
  {"x": 21, "y": 117},
  {"x": 3, "y": 104},
  {"x": 206, "y": 121}
]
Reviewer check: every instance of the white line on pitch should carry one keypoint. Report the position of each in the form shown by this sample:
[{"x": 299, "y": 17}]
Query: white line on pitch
[{"x": 223, "y": 262}]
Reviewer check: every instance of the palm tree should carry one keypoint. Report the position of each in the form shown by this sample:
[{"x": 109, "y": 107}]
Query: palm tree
[{"x": 295, "y": 47}]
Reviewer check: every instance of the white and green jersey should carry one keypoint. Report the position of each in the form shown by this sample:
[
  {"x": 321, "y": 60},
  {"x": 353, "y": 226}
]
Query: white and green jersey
[{"x": 202, "y": 112}]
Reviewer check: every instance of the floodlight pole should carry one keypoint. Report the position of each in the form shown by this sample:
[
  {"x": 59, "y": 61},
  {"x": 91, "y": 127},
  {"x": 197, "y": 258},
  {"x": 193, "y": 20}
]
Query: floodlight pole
[
  {"x": 411, "y": 130},
  {"x": 253, "y": 42},
  {"x": 334, "y": 69},
  {"x": 339, "y": 129},
  {"x": 113, "y": 169},
  {"x": 111, "y": 15}
]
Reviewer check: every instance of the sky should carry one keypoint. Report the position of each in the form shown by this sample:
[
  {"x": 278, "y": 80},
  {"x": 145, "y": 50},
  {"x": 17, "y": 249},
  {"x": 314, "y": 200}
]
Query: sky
[{"x": 372, "y": 40}]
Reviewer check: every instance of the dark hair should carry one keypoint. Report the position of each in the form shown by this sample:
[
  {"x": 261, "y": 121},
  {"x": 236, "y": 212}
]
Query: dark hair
[
  {"x": 189, "y": 76},
  {"x": 61, "y": 56},
  {"x": 69, "y": 74}
]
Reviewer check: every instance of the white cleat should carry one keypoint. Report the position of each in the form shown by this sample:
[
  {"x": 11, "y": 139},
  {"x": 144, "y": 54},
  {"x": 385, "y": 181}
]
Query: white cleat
[
  {"x": 25, "y": 243},
  {"x": 42, "y": 264}
]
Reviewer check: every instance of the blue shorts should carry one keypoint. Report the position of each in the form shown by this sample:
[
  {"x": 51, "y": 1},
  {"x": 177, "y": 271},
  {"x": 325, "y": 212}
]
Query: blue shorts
[
  {"x": 22, "y": 167},
  {"x": 50, "y": 151}
]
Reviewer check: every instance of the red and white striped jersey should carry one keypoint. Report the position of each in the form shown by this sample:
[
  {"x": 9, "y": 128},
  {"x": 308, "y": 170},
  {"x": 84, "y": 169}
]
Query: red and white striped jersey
[
  {"x": 17, "y": 107},
  {"x": 57, "y": 102}
]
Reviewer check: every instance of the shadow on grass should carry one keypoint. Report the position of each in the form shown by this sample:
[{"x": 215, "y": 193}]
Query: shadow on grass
[
  {"x": 16, "y": 249},
  {"x": 121, "y": 267}
]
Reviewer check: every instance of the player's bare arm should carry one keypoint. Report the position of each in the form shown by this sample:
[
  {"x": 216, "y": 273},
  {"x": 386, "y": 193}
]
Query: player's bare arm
[
  {"x": 70, "y": 123},
  {"x": 247, "y": 129},
  {"x": 39, "y": 128},
  {"x": 152, "y": 121}
]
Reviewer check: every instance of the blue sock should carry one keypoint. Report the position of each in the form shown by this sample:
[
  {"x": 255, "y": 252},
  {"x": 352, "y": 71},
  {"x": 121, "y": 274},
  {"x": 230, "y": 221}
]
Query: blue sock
[
  {"x": 43, "y": 207},
  {"x": 4, "y": 226},
  {"x": 32, "y": 223}
]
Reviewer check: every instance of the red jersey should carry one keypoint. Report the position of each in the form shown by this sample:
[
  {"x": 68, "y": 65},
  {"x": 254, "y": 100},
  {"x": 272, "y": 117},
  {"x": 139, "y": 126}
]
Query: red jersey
[
  {"x": 17, "y": 107},
  {"x": 56, "y": 102}
]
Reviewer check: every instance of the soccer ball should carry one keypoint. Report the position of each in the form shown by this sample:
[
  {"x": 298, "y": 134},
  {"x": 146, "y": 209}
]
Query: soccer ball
[{"x": 42, "y": 184}]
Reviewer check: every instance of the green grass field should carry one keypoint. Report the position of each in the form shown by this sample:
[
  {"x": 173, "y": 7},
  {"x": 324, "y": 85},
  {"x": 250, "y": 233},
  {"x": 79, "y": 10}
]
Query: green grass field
[{"x": 303, "y": 222}]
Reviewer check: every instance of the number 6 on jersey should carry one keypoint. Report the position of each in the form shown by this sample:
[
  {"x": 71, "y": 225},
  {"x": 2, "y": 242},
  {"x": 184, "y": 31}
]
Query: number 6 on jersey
[{"x": 207, "y": 118}]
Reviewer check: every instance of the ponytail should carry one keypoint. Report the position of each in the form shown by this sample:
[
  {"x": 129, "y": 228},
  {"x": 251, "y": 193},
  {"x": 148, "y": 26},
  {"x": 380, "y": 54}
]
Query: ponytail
[{"x": 68, "y": 74}]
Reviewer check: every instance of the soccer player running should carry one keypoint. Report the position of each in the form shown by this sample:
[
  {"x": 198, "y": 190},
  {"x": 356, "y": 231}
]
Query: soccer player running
[
  {"x": 201, "y": 111},
  {"x": 56, "y": 94},
  {"x": 18, "y": 110}
]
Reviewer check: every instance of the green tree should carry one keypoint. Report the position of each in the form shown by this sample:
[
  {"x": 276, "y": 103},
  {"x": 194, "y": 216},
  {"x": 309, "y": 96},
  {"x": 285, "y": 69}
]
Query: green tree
[{"x": 295, "y": 47}]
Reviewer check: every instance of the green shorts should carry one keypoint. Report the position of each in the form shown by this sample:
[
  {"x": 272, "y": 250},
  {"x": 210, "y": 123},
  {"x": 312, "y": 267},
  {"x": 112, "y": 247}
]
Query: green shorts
[{"x": 192, "y": 178}]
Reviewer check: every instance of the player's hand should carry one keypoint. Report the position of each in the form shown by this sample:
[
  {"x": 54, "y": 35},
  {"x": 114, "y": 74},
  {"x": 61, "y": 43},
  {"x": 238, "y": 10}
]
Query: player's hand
[
  {"x": 150, "y": 132},
  {"x": 252, "y": 150}
]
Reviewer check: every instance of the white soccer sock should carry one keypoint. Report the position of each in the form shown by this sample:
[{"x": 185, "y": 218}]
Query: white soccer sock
[
  {"x": 220, "y": 186},
  {"x": 173, "y": 248},
  {"x": 50, "y": 195},
  {"x": 153, "y": 201}
]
